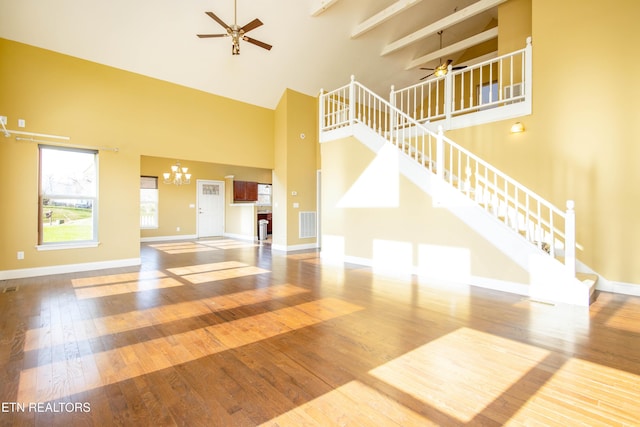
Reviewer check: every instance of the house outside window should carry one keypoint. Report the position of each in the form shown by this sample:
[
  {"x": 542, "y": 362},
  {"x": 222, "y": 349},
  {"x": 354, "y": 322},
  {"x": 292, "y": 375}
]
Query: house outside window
[
  {"x": 148, "y": 202},
  {"x": 68, "y": 196}
]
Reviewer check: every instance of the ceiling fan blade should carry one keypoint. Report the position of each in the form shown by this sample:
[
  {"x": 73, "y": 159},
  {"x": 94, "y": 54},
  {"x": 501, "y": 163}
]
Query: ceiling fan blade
[
  {"x": 251, "y": 25},
  {"x": 443, "y": 65},
  {"x": 428, "y": 69},
  {"x": 427, "y": 76},
  {"x": 218, "y": 20},
  {"x": 462, "y": 67},
  {"x": 257, "y": 42},
  {"x": 206, "y": 36}
]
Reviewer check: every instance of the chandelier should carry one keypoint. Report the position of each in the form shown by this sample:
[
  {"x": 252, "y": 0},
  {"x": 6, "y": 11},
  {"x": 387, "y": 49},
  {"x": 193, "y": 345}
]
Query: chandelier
[{"x": 177, "y": 176}]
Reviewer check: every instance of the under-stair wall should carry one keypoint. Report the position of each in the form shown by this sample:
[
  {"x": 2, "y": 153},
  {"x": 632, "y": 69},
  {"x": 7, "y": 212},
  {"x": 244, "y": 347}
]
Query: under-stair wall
[{"x": 545, "y": 277}]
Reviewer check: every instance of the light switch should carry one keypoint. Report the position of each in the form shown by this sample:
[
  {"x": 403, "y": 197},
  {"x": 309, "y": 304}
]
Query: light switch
[{"x": 296, "y": 205}]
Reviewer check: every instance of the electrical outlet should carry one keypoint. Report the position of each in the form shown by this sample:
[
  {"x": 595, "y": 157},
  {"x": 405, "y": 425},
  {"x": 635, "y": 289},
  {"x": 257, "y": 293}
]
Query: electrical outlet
[
  {"x": 3, "y": 120},
  {"x": 21, "y": 123},
  {"x": 177, "y": 228},
  {"x": 20, "y": 255}
]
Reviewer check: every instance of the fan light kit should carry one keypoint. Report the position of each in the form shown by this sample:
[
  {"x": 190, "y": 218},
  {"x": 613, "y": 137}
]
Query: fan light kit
[
  {"x": 443, "y": 68},
  {"x": 235, "y": 32}
]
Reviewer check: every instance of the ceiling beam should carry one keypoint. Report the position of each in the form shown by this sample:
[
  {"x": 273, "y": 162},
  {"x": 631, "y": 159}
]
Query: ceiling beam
[
  {"x": 456, "y": 47},
  {"x": 382, "y": 16},
  {"x": 444, "y": 23},
  {"x": 320, "y": 6}
]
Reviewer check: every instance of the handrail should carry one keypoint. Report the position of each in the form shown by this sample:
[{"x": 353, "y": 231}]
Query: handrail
[
  {"x": 497, "y": 82},
  {"x": 520, "y": 208}
]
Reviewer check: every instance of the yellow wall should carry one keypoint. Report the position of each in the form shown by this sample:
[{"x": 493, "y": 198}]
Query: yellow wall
[
  {"x": 174, "y": 201},
  {"x": 398, "y": 219},
  {"x": 581, "y": 142},
  {"x": 96, "y": 106},
  {"x": 295, "y": 166},
  {"x": 514, "y": 27}
]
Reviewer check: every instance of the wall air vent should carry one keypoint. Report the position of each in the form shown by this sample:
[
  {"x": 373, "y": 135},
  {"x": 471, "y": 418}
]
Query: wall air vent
[{"x": 307, "y": 225}]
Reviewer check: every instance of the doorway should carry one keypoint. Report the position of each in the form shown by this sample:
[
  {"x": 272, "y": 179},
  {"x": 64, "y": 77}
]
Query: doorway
[{"x": 210, "y": 207}]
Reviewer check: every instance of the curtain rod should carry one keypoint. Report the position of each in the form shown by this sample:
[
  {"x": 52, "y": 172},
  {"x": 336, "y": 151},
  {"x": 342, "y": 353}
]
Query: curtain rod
[
  {"x": 66, "y": 144},
  {"x": 8, "y": 132}
]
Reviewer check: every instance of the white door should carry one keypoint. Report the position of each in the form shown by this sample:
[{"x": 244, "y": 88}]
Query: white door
[{"x": 210, "y": 200}]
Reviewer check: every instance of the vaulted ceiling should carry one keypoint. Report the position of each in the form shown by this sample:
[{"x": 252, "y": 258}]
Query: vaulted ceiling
[{"x": 316, "y": 43}]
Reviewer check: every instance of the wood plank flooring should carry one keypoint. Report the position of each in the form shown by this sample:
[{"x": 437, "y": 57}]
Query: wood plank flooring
[{"x": 227, "y": 333}]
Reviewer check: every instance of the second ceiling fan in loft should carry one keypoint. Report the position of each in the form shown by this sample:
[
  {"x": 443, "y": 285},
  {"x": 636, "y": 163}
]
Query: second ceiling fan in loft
[
  {"x": 443, "y": 68},
  {"x": 236, "y": 32}
]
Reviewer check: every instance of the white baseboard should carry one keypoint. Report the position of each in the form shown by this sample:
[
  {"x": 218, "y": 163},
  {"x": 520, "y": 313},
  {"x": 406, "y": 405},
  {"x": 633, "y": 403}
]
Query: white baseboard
[
  {"x": 605, "y": 285},
  {"x": 167, "y": 238},
  {"x": 632, "y": 289},
  {"x": 247, "y": 237},
  {"x": 290, "y": 248},
  {"x": 68, "y": 268},
  {"x": 477, "y": 281}
]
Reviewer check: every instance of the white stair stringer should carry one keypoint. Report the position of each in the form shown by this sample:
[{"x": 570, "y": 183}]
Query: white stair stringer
[{"x": 549, "y": 280}]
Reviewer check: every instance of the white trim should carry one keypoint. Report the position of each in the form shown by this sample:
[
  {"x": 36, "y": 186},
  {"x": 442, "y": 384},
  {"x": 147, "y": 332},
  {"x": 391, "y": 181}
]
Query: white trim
[
  {"x": 165, "y": 238},
  {"x": 62, "y": 246},
  {"x": 284, "y": 248},
  {"x": 632, "y": 289},
  {"x": 241, "y": 236},
  {"x": 605, "y": 285},
  {"x": 476, "y": 281},
  {"x": 501, "y": 285},
  {"x": 68, "y": 268}
]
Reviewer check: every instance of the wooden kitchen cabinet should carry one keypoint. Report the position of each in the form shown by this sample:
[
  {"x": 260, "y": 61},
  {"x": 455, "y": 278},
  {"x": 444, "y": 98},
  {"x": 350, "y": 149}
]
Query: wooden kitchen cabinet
[{"x": 245, "y": 191}]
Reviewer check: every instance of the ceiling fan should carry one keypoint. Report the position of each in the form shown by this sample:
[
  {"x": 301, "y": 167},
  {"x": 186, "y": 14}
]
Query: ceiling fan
[
  {"x": 443, "y": 68},
  {"x": 235, "y": 32}
]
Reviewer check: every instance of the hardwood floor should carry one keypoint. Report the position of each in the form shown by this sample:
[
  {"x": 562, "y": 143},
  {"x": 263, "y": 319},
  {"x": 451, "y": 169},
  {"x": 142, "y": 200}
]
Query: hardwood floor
[{"x": 226, "y": 333}]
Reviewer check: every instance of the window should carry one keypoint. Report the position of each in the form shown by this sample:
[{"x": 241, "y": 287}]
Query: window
[
  {"x": 68, "y": 196},
  {"x": 488, "y": 94},
  {"x": 148, "y": 202}
]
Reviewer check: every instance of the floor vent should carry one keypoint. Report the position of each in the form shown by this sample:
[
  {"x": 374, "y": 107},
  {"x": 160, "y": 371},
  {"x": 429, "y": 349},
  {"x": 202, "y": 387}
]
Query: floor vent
[
  {"x": 307, "y": 225},
  {"x": 8, "y": 289}
]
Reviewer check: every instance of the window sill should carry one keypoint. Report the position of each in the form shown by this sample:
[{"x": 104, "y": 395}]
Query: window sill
[{"x": 61, "y": 246}]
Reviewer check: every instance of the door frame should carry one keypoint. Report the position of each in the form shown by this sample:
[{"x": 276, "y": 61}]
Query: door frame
[{"x": 224, "y": 198}]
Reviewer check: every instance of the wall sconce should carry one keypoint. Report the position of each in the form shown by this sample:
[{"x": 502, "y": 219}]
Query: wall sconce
[{"x": 517, "y": 127}]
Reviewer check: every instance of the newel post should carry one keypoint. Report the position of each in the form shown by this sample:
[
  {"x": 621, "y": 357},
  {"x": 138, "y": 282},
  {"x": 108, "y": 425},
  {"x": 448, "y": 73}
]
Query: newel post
[
  {"x": 440, "y": 153},
  {"x": 392, "y": 113},
  {"x": 570, "y": 238},
  {"x": 321, "y": 112},
  {"x": 448, "y": 97},
  {"x": 528, "y": 71},
  {"x": 352, "y": 100}
]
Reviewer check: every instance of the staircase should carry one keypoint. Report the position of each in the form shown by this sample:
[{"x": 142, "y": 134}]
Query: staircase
[{"x": 533, "y": 232}]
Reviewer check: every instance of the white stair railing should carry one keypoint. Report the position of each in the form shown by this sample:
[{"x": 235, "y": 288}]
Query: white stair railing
[
  {"x": 504, "y": 81},
  {"x": 524, "y": 211}
]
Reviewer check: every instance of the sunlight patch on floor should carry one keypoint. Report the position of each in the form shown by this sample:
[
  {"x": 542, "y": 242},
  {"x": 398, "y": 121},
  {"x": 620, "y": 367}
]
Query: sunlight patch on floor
[
  {"x": 581, "y": 391},
  {"x": 450, "y": 373},
  {"x": 201, "y": 268},
  {"x": 98, "y": 369},
  {"x": 201, "y": 246},
  {"x": 127, "y": 287},
  {"x": 122, "y": 322},
  {"x": 229, "y": 273},
  {"x": 338, "y": 407},
  {"x": 116, "y": 278}
]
